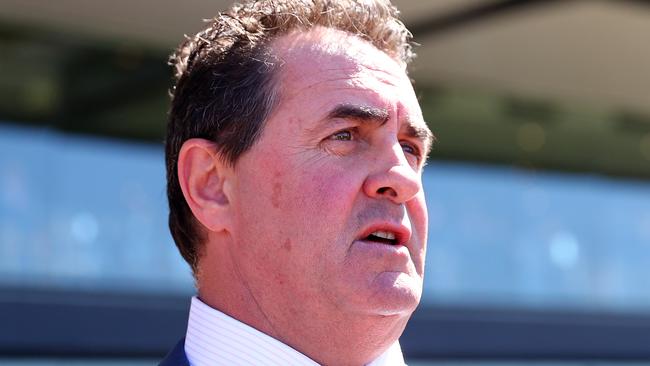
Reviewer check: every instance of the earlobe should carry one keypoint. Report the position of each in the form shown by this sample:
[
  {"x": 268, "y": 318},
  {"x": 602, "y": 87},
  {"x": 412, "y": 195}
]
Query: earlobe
[{"x": 203, "y": 176}]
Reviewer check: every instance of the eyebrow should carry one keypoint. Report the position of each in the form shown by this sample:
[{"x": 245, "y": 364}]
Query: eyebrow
[
  {"x": 360, "y": 113},
  {"x": 380, "y": 116},
  {"x": 422, "y": 133}
]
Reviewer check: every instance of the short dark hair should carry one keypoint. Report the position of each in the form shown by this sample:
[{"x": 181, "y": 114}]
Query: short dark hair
[{"x": 225, "y": 87}]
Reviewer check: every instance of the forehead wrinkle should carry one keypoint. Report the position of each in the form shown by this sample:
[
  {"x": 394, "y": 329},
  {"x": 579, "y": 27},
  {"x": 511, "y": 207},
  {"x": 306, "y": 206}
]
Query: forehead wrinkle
[
  {"x": 382, "y": 75},
  {"x": 357, "y": 72},
  {"x": 338, "y": 83},
  {"x": 320, "y": 44},
  {"x": 353, "y": 69}
]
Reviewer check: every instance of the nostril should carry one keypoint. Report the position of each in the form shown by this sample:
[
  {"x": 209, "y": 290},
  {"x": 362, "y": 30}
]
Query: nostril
[{"x": 387, "y": 190}]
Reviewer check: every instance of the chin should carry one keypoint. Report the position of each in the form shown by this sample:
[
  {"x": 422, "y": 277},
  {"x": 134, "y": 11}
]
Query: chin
[{"x": 395, "y": 293}]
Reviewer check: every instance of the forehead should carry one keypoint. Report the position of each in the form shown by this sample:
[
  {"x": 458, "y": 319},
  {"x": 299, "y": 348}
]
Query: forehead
[{"x": 334, "y": 65}]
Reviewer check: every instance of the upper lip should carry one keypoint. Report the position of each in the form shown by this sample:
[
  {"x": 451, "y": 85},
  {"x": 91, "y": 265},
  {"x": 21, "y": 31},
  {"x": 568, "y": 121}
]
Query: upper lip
[{"x": 402, "y": 233}]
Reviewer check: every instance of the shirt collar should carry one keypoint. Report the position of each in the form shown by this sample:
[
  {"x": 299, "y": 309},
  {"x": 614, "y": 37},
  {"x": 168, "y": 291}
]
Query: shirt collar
[{"x": 214, "y": 338}]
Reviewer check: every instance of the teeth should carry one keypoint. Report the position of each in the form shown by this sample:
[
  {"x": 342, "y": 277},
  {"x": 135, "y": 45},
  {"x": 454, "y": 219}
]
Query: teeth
[{"x": 384, "y": 235}]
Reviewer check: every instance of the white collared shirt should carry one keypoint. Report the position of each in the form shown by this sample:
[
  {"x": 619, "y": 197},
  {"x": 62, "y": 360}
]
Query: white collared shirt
[{"x": 214, "y": 338}]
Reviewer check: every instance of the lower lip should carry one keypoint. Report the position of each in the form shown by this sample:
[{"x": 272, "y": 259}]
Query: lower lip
[{"x": 380, "y": 249}]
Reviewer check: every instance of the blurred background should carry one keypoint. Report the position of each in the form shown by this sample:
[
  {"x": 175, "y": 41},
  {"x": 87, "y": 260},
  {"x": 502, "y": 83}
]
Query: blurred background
[{"x": 538, "y": 189}]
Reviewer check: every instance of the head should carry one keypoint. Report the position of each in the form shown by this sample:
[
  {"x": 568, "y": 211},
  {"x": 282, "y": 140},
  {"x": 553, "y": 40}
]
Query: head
[
  {"x": 294, "y": 153},
  {"x": 226, "y": 78}
]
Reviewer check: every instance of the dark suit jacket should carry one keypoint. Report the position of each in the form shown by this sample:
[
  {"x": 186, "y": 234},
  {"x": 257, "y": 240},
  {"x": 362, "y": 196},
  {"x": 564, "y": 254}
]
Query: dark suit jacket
[{"x": 176, "y": 357}]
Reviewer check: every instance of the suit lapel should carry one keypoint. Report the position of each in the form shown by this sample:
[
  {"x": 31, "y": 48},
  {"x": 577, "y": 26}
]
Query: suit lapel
[{"x": 176, "y": 357}]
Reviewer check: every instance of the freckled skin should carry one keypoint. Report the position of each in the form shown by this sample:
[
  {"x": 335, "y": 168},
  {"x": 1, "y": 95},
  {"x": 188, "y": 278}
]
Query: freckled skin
[
  {"x": 287, "y": 245},
  {"x": 301, "y": 199},
  {"x": 276, "y": 196}
]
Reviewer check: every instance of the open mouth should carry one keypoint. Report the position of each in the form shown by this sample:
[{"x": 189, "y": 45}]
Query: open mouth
[{"x": 383, "y": 237}]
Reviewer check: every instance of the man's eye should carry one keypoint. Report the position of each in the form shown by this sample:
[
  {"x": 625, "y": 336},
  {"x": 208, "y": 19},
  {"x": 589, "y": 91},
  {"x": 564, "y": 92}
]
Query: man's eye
[
  {"x": 342, "y": 136},
  {"x": 409, "y": 149}
]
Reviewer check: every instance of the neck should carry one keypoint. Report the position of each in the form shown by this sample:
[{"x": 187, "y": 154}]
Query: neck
[{"x": 326, "y": 335}]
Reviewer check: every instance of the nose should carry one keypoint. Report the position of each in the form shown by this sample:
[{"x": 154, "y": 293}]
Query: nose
[{"x": 394, "y": 178}]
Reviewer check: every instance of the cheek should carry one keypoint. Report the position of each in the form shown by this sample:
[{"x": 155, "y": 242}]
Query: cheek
[
  {"x": 419, "y": 220},
  {"x": 304, "y": 196},
  {"x": 329, "y": 192},
  {"x": 421, "y": 213},
  {"x": 316, "y": 208}
]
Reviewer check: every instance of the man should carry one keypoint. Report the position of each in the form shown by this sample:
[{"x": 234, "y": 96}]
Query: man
[{"x": 294, "y": 153}]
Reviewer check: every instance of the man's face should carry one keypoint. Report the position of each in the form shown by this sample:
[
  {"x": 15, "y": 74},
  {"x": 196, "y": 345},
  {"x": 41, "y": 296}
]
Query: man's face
[{"x": 330, "y": 216}]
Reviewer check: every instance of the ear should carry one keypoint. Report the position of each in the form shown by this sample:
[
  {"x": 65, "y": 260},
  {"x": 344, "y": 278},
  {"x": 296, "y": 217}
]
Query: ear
[{"x": 205, "y": 180}]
